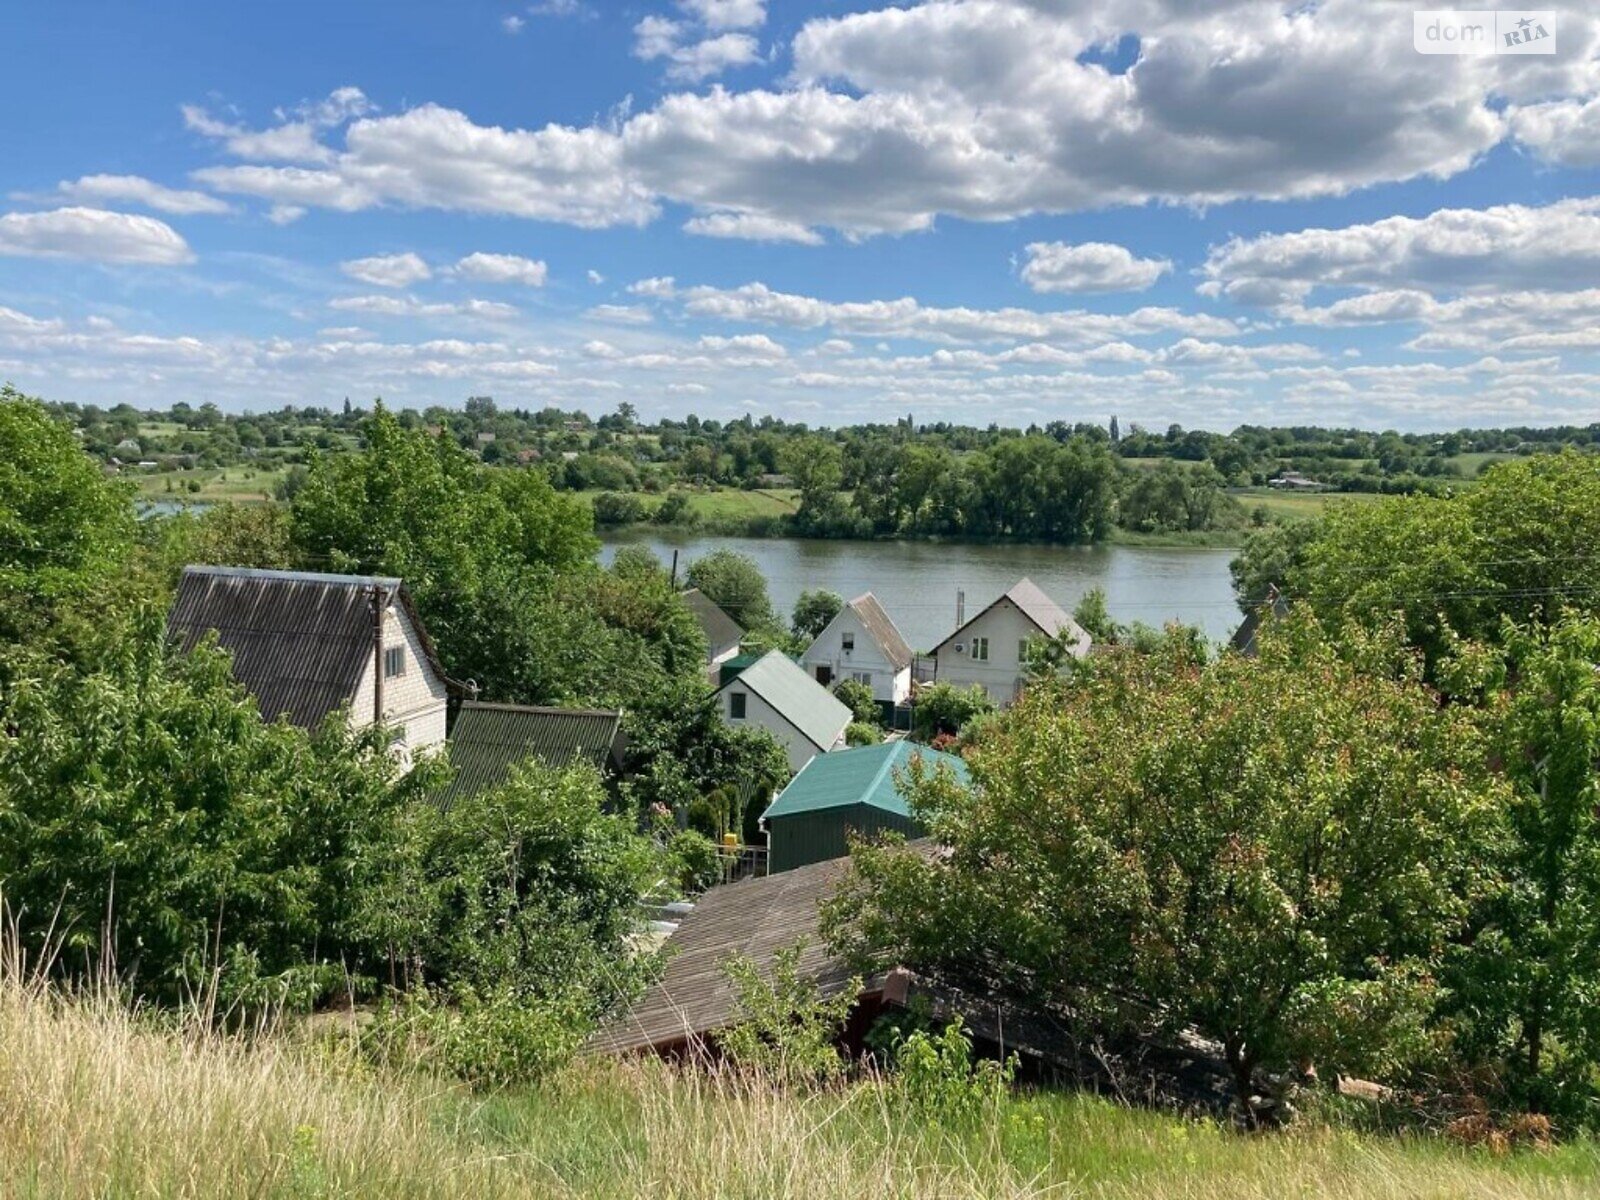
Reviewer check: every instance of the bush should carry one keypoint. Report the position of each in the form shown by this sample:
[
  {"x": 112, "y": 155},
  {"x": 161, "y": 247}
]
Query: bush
[
  {"x": 937, "y": 1079},
  {"x": 617, "y": 508},
  {"x": 945, "y": 708},
  {"x": 858, "y": 698},
  {"x": 860, "y": 733},
  {"x": 786, "y": 1029}
]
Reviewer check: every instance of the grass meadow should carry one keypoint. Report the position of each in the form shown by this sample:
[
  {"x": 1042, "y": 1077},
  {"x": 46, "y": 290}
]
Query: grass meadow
[{"x": 98, "y": 1102}]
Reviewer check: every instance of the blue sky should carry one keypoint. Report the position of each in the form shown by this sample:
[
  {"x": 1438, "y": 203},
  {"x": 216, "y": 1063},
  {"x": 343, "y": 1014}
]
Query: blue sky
[{"x": 974, "y": 210}]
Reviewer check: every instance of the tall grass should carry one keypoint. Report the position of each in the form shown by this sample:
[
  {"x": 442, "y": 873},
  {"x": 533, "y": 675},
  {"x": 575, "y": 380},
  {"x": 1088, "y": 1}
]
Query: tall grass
[{"x": 96, "y": 1101}]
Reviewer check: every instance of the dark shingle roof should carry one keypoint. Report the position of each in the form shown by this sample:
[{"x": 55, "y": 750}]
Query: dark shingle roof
[
  {"x": 299, "y": 640},
  {"x": 721, "y": 629},
  {"x": 895, "y": 647},
  {"x": 1244, "y": 638},
  {"x": 755, "y": 918},
  {"x": 864, "y": 775},
  {"x": 490, "y": 739}
]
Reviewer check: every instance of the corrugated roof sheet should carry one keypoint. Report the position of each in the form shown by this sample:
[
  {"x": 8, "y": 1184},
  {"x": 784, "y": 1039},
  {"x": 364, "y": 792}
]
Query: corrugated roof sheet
[
  {"x": 299, "y": 639},
  {"x": 490, "y": 739},
  {"x": 894, "y": 646},
  {"x": 865, "y": 775},
  {"x": 721, "y": 630},
  {"x": 755, "y": 918},
  {"x": 802, "y": 701}
]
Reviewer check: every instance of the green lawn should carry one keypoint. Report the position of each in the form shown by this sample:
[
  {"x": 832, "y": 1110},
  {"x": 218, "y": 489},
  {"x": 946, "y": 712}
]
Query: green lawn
[{"x": 1472, "y": 465}]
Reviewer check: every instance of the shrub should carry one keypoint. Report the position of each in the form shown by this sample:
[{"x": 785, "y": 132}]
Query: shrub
[
  {"x": 860, "y": 733},
  {"x": 937, "y": 1079},
  {"x": 858, "y": 698},
  {"x": 786, "y": 1029}
]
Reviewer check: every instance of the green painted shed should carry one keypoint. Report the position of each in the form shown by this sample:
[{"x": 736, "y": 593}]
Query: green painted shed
[{"x": 841, "y": 793}]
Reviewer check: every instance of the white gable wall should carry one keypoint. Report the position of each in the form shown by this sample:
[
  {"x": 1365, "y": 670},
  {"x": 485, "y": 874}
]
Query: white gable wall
[
  {"x": 413, "y": 702},
  {"x": 867, "y": 658},
  {"x": 1006, "y": 628},
  {"x": 758, "y": 713}
]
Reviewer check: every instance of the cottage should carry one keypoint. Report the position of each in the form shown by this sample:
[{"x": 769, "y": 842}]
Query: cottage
[
  {"x": 991, "y": 649},
  {"x": 843, "y": 793},
  {"x": 307, "y": 644},
  {"x": 775, "y": 694},
  {"x": 1273, "y": 607},
  {"x": 862, "y": 643},
  {"x": 490, "y": 740},
  {"x": 723, "y": 633}
]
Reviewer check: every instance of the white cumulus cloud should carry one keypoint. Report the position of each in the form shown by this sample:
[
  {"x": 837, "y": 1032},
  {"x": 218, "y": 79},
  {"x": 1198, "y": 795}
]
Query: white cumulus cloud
[
  {"x": 503, "y": 268},
  {"x": 135, "y": 189},
  {"x": 388, "y": 270},
  {"x": 95, "y": 234},
  {"x": 1089, "y": 267}
]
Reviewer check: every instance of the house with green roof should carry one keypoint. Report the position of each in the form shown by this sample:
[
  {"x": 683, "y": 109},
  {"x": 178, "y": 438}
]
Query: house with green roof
[
  {"x": 843, "y": 793},
  {"x": 774, "y": 693},
  {"x": 489, "y": 741}
]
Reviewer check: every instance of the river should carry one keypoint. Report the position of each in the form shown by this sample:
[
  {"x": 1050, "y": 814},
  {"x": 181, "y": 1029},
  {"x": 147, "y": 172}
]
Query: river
[{"x": 918, "y": 581}]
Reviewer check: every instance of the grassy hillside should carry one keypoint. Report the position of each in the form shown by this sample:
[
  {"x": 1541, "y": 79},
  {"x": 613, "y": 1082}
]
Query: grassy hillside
[{"x": 94, "y": 1103}]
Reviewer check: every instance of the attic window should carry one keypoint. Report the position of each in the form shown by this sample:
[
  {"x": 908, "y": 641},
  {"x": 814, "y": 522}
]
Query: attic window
[
  {"x": 394, "y": 662},
  {"x": 736, "y": 706},
  {"x": 848, "y": 640},
  {"x": 980, "y": 649}
]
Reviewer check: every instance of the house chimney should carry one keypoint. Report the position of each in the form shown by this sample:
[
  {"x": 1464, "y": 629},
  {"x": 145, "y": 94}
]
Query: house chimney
[{"x": 961, "y": 608}]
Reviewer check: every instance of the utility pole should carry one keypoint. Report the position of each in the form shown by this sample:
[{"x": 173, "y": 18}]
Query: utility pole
[{"x": 674, "y": 570}]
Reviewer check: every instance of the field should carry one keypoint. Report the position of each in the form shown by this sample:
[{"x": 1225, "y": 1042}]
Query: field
[
  {"x": 1472, "y": 465},
  {"x": 1295, "y": 506},
  {"x": 246, "y": 485},
  {"x": 96, "y": 1103}
]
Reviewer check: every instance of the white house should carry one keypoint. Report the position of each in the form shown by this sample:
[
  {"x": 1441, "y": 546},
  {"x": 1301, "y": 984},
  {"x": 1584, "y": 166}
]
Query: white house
[
  {"x": 306, "y": 644},
  {"x": 723, "y": 633},
  {"x": 775, "y": 694},
  {"x": 992, "y": 648},
  {"x": 862, "y": 643}
]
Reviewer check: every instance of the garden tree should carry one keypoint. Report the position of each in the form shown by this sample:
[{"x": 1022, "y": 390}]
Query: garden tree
[
  {"x": 528, "y": 888},
  {"x": 1518, "y": 545},
  {"x": 1274, "y": 851},
  {"x": 681, "y": 751},
  {"x": 1094, "y": 618},
  {"x": 65, "y": 529},
  {"x": 233, "y": 535},
  {"x": 813, "y": 610},
  {"x": 943, "y": 708},
  {"x": 733, "y": 582},
  {"x": 154, "y": 823},
  {"x": 1528, "y": 986},
  {"x": 858, "y": 698}
]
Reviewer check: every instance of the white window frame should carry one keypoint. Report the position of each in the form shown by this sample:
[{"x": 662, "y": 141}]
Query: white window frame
[
  {"x": 394, "y": 662},
  {"x": 847, "y": 642},
  {"x": 862, "y": 677},
  {"x": 980, "y": 649}
]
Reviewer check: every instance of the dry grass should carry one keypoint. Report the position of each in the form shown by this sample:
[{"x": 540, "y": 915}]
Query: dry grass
[{"x": 97, "y": 1103}]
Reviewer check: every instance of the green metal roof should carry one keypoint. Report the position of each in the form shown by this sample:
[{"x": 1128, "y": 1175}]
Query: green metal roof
[
  {"x": 735, "y": 666},
  {"x": 861, "y": 776},
  {"x": 490, "y": 739},
  {"x": 802, "y": 701}
]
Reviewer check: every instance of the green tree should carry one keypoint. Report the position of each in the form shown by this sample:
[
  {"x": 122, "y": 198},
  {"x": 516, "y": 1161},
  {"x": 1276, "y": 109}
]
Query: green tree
[
  {"x": 1239, "y": 847},
  {"x": 1528, "y": 985},
  {"x": 65, "y": 529},
  {"x": 151, "y": 821},
  {"x": 734, "y": 582},
  {"x": 858, "y": 698},
  {"x": 943, "y": 708},
  {"x": 813, "y": 610}
]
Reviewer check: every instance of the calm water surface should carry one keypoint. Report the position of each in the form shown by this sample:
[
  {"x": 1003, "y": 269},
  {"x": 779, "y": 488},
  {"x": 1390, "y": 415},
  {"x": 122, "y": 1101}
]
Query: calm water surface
[{"x": 917, "y": 581}]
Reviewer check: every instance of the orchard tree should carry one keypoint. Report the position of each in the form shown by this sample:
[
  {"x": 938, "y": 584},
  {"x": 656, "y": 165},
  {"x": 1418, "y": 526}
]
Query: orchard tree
[
  {"x": 734, "y": 583},
  {"x": 1274, "y": 851}
]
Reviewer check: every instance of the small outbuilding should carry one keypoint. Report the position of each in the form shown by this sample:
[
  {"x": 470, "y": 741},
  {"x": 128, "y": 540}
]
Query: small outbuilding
[
  {"x": 844, "y": 793},
  {"x": 775, "y": 694},
  {"x": 490, "y": 740},
  {"x": 723, "y": 633}
]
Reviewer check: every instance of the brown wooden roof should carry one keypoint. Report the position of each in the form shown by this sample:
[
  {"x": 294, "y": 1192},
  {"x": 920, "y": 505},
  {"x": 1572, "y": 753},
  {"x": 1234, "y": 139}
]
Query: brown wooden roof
[
  {"x": 894, "y": 646},
  {"x": 755, "y": 918}
]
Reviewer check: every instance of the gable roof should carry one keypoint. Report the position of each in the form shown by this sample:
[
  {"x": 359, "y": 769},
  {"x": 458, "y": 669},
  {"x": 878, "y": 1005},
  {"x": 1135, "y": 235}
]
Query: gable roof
[
  {"x": 864, "y": 775},
  {"x": 1244, "y": 637},
  {"x": 721, "y": 629},
  {"x": 300, "y": 640},
  {"x": 882, "y": 630},
  {"x": 1032, "y": 603},
  {"x": 754, "y": 918},
  {"x": 797, "y": 697},
  {"x": 489, "y": 740}
]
